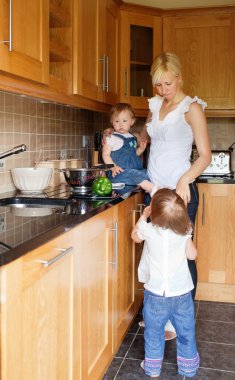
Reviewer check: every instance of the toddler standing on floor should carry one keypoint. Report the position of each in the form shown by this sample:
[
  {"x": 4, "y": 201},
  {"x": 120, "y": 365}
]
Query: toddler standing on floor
[
  {"x": 167, "y": 281},
  {"x": 121, "y": 149}
]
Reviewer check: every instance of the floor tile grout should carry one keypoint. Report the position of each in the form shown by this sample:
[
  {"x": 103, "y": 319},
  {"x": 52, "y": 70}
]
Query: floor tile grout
[
  {"x": 123, "y": 368},
  {"x": 126, "y": 353}
]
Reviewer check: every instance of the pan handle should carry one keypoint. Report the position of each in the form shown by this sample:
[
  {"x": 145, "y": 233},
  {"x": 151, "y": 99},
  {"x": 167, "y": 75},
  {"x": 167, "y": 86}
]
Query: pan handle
[{"x": 103, "y": 166}]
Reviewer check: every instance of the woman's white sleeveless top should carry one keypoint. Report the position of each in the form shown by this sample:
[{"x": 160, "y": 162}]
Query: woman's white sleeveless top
[{"x": 171, "y": 142}]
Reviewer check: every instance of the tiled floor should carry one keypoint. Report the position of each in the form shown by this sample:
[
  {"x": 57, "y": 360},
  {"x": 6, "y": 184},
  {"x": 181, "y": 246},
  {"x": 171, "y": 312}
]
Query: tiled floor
[{"x": 215, "y": 334}]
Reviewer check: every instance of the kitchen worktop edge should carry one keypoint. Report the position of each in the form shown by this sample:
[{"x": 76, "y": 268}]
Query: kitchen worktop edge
[{"x": 72, "y": 221}]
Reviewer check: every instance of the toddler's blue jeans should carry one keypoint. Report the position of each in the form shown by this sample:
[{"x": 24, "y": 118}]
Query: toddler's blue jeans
[{"x": 180, "y": 310}]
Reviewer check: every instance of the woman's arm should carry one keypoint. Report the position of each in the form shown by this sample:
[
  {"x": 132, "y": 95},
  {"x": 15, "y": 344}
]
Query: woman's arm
[
  {"x": 144, "y": 134},
  {"x": 190, "y": 250},
  {"x": 141, "y": 147},
  {"x": 197, "y": 120}
]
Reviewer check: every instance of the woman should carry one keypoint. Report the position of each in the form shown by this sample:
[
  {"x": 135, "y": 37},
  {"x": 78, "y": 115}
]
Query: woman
[{"x": 174, "y": 121}]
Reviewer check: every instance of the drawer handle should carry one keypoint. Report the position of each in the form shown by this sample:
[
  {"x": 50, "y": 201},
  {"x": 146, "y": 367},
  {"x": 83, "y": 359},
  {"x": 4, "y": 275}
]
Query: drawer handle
[{"x": 64, "y": 251}]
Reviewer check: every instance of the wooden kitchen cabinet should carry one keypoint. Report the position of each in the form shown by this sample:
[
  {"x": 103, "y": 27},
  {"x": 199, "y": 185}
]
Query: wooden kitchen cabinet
[
  {"x": 140, "y": 42},
  {"x": 60, "y": 45},
  {"x": 67, "y": 305},
  {"x": 125, "y": 298},
  {"x": 138, "y": 248},
  {"x": 24, "y": 39},
  {"x": 37, "y": 313},
  {"x": 97, "y": 265},
  {"x": 205, "y": 46},
  {"x": 95, "y": 46},
  {"x": 215, "y": 240}
]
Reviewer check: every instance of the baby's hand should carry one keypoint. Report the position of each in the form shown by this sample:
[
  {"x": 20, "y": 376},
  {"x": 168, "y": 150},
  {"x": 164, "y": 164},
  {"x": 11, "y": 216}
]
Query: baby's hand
[
  {"x": 147, "y": 212},
  {"x": 116, "y": 170}
]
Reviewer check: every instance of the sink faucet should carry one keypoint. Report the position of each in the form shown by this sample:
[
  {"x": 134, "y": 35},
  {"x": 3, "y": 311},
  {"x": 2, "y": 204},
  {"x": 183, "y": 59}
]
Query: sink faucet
[{"x": 17, "y": 149}]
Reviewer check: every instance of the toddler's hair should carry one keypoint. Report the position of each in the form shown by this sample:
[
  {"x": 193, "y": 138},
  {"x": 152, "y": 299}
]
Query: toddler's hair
[
  {"x": 118, "y": 108},
  {"x": 169, "y": 211}
]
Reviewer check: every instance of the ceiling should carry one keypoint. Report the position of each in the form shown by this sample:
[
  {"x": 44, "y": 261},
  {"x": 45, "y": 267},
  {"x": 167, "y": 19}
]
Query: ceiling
[{"x": 174, "y": 4}]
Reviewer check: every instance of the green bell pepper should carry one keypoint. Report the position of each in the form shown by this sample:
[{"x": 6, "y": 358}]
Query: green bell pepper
[{"x": 102, "y": 186}]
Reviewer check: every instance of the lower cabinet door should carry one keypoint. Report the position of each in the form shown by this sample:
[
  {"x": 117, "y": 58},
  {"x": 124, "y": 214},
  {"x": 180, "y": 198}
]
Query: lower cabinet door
[
  {"x": 215, "y": 239},
  {"x": 124, "y": 276},
  {"x": 37, "y": 314},
  {"x": 138, "y": 248},
  {"x": 97, "y": 265}
]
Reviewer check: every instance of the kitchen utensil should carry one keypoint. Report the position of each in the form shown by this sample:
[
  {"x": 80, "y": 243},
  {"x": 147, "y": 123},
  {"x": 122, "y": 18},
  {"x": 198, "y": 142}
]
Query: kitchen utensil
[
  {"x": 31, "y": 180},
  {"x": 81, "y": 179},
  {"x": 38, "y": 158}
]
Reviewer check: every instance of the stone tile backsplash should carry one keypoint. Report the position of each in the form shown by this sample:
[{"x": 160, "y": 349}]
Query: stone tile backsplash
[{"x": 56, "y": 129}]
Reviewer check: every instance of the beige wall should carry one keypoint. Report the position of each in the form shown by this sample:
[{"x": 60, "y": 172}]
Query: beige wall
[{"x": 45, "y": 125}]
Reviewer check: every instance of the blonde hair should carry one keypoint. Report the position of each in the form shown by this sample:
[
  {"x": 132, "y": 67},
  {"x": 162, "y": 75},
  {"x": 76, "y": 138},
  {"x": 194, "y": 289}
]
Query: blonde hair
[
  {"x": 120, "y": 107},
  {"x": 165, "y": 62},
  {"x": 169, "y": 211}
]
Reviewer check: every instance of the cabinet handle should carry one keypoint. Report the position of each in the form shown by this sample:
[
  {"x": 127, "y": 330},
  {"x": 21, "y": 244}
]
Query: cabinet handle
[
  {"x": 103, "y": 62},
  {"x": 10, "y": 28},
  {"x": 115, "y": 229},
  {"x": 64, "y": 251},
  {"x": 127, "y": 82},
  {"x": 141, "y": 205},
  {"x": 203, "y": 208},
  {"x": 107, "y": 73}
]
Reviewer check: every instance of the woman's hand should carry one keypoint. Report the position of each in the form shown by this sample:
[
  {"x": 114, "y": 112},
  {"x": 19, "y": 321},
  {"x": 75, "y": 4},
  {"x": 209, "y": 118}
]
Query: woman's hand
[
  {"x": 106, "y": 133},
  {"x": 116, "y": 170},
  {"x": 183, "y": 190},
  {"x": 143, "y": 144}
]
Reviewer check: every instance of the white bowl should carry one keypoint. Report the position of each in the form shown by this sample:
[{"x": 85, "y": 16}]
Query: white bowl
[{"x": 30, "y": 180}]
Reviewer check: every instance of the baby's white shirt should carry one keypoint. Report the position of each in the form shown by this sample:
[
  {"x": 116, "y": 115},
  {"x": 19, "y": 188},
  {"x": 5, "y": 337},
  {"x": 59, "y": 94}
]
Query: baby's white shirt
[
  {"x": 163, "y": 266},
  {"x": 115, "y": 142}
]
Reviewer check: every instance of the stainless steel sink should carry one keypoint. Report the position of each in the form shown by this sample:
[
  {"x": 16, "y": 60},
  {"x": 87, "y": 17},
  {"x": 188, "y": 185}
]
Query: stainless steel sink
[
  {"x": 32, "y": 207},
  {"x": 33, "y": 202}
]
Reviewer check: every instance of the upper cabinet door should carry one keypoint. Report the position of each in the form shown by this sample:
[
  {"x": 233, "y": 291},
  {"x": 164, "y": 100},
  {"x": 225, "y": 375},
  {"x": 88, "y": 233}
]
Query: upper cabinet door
[
  {"x": 140, "y": 42},
  {"x": 95, "y": 47},
  {"x": 88, "y": 29},
  {"x": 109, "y": 73},
  {"x": 205, "y": 46},
  {"x": 24, "y": 36}
]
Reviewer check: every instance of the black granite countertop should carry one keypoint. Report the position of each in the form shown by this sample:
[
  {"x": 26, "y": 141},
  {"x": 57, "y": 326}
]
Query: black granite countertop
[
  {"x": 46, "y": 216},
  {"x": 230, "y": 179}
]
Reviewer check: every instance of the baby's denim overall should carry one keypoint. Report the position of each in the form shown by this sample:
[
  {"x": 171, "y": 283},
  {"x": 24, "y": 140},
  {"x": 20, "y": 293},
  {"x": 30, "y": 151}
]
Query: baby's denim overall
[{"x": 127, "y": 159}]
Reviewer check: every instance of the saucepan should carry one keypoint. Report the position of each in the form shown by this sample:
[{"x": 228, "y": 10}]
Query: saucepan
[{"x": 81, "y": 179}]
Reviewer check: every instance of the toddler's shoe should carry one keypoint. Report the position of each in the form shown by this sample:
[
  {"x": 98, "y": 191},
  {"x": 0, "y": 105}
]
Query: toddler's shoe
[
  {"x": 170, "y": 332},
  {"x": 142, "y": 366}
]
